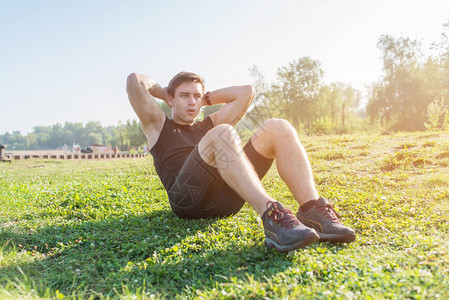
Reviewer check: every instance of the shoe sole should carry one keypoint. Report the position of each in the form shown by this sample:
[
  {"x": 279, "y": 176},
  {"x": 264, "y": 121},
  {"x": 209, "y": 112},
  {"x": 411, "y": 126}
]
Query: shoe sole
[
  {"x": 309, "y": 239},
  {"x": 337, "y": 238}
]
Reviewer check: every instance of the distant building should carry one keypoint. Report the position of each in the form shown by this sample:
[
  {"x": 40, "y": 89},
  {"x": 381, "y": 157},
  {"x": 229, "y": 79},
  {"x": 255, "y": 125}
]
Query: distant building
[
  {"x": 76, "y": 148},
  {"x": 99, "y": 148}
]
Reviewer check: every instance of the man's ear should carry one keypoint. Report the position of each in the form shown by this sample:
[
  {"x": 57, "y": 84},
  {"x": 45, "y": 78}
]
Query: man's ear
[{"x": 170, "y": 100}]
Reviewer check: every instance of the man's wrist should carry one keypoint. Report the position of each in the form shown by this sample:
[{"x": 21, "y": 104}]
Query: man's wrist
[
  {"x": 207, "y": 98},
  {"x": 151, "y": 86},
  {"x": 156, "y": 91}
]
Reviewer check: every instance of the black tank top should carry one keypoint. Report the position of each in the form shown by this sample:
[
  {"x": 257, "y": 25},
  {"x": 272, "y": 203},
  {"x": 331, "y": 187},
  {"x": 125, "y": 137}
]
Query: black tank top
[{"x": 174, "y": 145}]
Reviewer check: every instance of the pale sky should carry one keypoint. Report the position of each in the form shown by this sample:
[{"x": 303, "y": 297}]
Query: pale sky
[{"x": 67, "y": 61}]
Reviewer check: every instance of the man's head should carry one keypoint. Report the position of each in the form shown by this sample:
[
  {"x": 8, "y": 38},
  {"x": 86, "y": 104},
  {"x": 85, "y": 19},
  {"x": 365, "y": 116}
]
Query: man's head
[
  {"x": 185, "y": 95},
  {"x": 182, "y": 77}
]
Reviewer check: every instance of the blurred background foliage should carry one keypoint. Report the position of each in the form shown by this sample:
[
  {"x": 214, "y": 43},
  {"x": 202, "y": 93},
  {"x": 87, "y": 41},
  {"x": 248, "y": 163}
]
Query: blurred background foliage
[{"x": 411, "y": 95}]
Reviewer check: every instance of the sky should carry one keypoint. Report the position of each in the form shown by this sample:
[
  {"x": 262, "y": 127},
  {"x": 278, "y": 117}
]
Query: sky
[{"x": 67, "y": 61}]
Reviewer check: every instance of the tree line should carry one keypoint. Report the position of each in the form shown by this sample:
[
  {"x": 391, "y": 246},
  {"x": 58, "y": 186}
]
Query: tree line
[
  {"x": 412, "y": 94},
  {"x": 300, "y": 96},
  {"x": 124, "y": 135}
]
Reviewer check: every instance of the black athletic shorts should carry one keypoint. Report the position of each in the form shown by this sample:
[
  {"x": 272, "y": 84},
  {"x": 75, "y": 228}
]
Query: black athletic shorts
[{"x": 200, "y": 192}]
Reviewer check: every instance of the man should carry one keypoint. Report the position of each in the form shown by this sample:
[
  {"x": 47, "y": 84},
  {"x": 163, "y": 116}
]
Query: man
[{"x": 206, "y": 173}]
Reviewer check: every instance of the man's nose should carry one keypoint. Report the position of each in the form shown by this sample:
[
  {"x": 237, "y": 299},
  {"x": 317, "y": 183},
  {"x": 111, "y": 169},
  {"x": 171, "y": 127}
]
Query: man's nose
[{"x": 191, "y": 99}]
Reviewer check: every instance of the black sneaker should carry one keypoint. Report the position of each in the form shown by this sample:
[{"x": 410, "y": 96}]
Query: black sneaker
[
  {"x": 283, "y": 231},
  {"x": 323, "y": 218}
]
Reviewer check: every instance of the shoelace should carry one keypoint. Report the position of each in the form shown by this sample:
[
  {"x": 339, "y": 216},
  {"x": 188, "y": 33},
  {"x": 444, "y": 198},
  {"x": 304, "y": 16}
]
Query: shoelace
[
  {"x": 329, "y": 212},
  {"x": 282, "y": 216}
]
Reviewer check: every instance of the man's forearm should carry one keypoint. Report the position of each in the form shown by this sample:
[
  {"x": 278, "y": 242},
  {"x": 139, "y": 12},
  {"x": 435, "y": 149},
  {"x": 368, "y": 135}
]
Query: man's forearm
[
  {"x": 230, "y": 94},
  {"x": 158, "y": 91},
  {"x": 154, "y": 88},
  {"x": 237, "y": 100}
]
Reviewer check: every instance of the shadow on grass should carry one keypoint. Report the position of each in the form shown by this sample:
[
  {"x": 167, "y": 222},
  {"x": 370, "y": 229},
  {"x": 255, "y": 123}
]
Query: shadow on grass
[{"x": 98, "y": 257}]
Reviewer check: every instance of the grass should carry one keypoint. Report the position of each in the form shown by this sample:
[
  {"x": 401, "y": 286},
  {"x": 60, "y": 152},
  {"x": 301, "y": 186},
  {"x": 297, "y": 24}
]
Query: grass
[{"x": 104, "y": 229}]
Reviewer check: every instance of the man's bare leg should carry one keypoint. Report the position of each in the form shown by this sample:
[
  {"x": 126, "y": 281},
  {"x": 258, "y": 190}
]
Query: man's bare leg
[
  {"x": 277, "y": 139},
  {"x": 221, "y": 148}
]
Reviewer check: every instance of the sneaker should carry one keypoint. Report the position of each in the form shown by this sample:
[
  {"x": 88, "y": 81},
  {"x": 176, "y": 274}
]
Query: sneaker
[
  {"x": 283, "y": 231},
  {"x": 323, "y": 218}
]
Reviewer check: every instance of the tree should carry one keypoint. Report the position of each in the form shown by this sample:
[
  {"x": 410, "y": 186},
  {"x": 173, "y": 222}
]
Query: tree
[
  {"x": 298, "y": 87},
  {"x": 330, "y": 96},
  {"x": 401, "y": 98},
  {"x": 265, "y": 104},
  {"x": 94, "y": 133},
  {"x": 260, "y": 108},
  {"x": 435, "y": 114},
  {"x": 94, "y": 138},
  {"x": 350, "y": 99},
  {"x": 134, "y": 134},
  {"x": 259, "y": 84},
  {"x": 43, "y": 136},
  {"x": 31, "y": 142},
  {"x": 56, "y": 136},
  {"x": 119, "y": 136},
  {"x": 441, "y": 60},
  {"x": 73, "y": 133},
  {"x": 5, "y": 138},
  {"x": 165, "y": 108}
]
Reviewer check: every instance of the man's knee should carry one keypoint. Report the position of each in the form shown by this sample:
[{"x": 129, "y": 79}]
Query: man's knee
[
  {"x": 224, "y": 133},
  {"x": 278, "y": 127}
]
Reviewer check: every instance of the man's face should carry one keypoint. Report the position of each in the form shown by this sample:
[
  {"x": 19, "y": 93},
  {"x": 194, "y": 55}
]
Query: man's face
[{"x": 186, "y": 103}]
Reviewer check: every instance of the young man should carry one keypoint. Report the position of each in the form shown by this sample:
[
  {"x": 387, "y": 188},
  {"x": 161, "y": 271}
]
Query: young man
[{"x": 206, "y": 173}]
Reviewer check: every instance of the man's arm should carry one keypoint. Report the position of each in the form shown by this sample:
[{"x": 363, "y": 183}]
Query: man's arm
[
  {"x": 237, "y": 99},
  {"x": 141, "y": 91}
]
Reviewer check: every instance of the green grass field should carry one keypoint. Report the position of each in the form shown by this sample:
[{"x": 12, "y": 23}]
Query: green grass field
[{"x": 104, "y": 229}]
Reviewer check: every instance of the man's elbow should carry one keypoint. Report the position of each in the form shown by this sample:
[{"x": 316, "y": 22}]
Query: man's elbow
[
  {"x": 132, "y": 81},
  {"x": 251, "y": 92}
]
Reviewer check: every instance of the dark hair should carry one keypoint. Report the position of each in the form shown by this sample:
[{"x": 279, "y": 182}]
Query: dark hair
[{"x": 182, "y": 77}]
